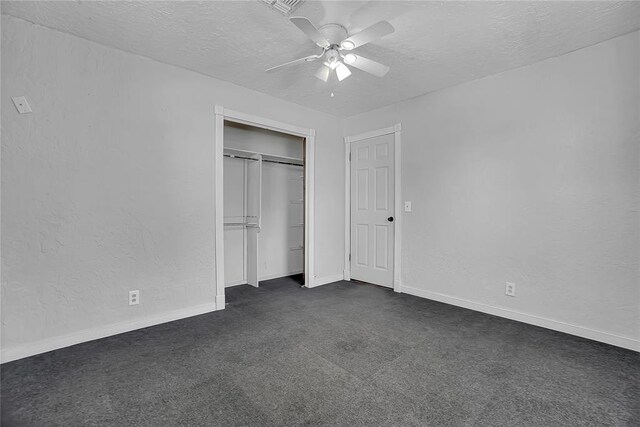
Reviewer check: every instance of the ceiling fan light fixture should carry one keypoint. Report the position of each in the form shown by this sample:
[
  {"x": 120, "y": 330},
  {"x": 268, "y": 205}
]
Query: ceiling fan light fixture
[
  {"x": 323, "y": 73},
  {"x": 333, "y": 65},
  {"x": 342, "y": 71},
  {"x": 350, "y": 58},
  {"x": 347, "y": 45}
]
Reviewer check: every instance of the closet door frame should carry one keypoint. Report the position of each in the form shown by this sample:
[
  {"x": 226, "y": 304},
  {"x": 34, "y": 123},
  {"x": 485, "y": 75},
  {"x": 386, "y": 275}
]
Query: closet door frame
[{"x": 223, "y": 114}]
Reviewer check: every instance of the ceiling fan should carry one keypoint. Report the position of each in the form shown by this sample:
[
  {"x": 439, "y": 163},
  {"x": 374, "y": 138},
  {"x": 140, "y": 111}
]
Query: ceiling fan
[{"x": 336, "y": 45}]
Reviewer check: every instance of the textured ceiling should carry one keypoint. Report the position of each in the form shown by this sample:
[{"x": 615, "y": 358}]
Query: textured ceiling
[{"x": 436, "y": 44}]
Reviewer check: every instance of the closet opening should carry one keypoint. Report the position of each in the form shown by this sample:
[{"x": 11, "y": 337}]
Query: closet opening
[{"x": 264, "y": 205}]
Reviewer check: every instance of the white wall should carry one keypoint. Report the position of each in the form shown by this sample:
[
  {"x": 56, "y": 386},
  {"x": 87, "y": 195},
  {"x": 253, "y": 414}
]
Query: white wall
[
  {"x": 108, "y": 186},
  {"x": 530, "y": 176}
]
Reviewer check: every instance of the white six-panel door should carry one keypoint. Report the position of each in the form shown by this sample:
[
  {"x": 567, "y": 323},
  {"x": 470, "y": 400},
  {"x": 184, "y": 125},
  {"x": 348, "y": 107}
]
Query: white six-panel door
[{"x": 372, "y": 210}]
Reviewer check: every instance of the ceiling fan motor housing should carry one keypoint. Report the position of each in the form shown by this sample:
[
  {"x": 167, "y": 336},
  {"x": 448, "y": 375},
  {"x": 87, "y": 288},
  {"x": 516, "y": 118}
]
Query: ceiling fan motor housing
[{"x": 334, "y": 33}]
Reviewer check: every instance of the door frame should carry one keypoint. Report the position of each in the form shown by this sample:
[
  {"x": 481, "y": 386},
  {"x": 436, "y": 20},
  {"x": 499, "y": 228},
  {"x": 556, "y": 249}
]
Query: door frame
[
  {"x": 396, "y": 130},
  {"x": 224, "y": 114}
]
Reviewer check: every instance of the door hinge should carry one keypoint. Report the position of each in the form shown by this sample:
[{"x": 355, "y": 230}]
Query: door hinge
[
  {"x": 349, "y": 156},
  {"x": 349, "y": 257}
]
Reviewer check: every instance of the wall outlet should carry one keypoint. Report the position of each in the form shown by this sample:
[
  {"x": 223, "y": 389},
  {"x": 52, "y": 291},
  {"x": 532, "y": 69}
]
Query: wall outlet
[
  {"x": 510, "y": 289},
  {"x": 134, "y": 297}
]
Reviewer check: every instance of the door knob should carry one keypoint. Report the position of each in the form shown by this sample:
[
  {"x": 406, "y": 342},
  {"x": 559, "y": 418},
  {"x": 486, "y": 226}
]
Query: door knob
[{"x": 390, "y": 219}]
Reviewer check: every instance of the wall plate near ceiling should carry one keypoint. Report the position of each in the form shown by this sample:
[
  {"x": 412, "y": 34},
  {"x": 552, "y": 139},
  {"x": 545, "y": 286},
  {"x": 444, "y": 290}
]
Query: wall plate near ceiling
[{"x": 286, "y": 7}]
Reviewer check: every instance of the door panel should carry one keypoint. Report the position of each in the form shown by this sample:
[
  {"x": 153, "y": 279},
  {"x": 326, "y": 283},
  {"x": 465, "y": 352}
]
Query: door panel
[
  {"x": 372, "y": 203},
  {"x": 381, "y": 248},
  {"x": 362, "y": 189},
  {"x": 382, "y": 188},
  {"x": 362, "y": 245}
]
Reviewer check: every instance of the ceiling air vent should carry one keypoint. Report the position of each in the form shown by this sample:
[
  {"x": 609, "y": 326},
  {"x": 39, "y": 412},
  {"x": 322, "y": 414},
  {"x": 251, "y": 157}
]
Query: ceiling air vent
[{"x": 286, "y": 7}]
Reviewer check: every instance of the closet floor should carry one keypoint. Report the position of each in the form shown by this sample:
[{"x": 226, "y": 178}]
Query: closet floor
[{"x": 339, "y": 354}]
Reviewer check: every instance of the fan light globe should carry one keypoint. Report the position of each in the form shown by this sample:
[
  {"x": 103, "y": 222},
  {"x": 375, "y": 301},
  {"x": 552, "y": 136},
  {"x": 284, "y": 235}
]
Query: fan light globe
[
  {"x": 350, "y": 58},
  {"x": 342, "y": 72},
  {"x": 347, "y": 45}
]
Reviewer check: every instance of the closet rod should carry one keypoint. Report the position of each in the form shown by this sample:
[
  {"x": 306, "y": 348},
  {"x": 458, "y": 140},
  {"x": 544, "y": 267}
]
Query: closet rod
[
  {"x": 233, "y": 156},
  {"x": 282, "y": 163}
]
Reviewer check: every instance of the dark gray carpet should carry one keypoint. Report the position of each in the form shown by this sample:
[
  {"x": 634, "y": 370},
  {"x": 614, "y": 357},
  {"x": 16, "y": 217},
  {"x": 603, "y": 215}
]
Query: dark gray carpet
[{"x": 340, "y": 354}]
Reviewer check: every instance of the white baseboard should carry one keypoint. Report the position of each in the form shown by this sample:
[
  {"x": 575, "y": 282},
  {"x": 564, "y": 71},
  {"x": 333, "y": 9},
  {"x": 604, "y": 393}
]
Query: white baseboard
[
  {"x": 319, "y": 281},
  {"x": 49, "y": 344},
  {"x": 238, "y": 283},
  {"x": 567, "y": 328}
]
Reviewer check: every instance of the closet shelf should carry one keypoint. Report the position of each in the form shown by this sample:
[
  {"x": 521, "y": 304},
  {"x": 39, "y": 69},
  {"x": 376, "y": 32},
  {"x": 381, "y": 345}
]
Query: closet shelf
[
  {"x": 241, "y": 220},
  {"x": 241, "y": 154}
]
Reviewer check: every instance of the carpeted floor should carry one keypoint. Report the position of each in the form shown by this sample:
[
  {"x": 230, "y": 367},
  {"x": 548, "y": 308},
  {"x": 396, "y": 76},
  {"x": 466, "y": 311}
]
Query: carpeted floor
[{"x": 343, "y": 354}]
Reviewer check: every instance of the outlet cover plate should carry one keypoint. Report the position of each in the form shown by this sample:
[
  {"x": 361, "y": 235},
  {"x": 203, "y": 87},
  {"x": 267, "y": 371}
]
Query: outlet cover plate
[
  {"x": 134, "y": 297},
  {"x": 510, "y": 289}
]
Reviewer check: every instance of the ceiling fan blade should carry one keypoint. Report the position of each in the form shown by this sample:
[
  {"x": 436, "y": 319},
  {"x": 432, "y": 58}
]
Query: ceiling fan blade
[
  {"x": 295, "y": 62},
  {"x": 371, "y": 67},
  {"x": 310, "y": 30},
  {"x": 323, "y": 73},
  {"x": 369, "y": 34}
]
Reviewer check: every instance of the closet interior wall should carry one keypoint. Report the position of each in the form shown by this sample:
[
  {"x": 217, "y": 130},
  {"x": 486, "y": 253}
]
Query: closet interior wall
[{"x": 263, "y": 204}]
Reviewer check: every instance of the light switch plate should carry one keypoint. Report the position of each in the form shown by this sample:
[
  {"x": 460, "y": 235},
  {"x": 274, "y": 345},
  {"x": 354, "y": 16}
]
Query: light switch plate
[
  {"x": 407, "y": 206},
  {"x": 21, "y": 104}
]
